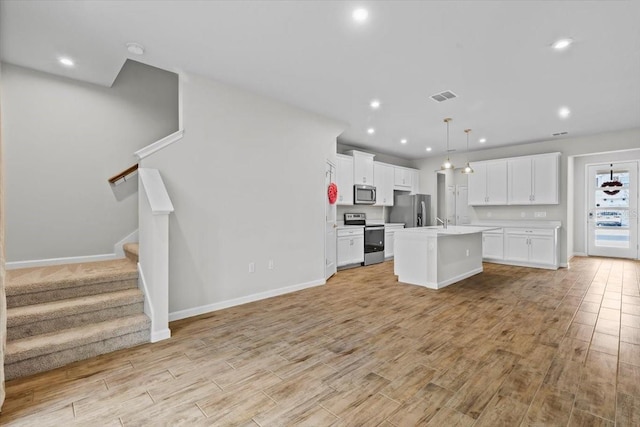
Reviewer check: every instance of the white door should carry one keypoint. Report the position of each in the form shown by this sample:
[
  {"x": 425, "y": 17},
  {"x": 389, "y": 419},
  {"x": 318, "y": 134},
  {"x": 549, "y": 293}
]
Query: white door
[
  {"x": 462, "y": 205},
  {"x": 330, "y": 224},
  {"x": 450, "y": 199},
  {"x": 612, "y": 210}
]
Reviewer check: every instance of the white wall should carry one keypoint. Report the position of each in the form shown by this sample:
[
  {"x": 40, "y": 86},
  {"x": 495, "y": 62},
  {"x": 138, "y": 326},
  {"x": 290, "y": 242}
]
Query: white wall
[
  {"x": 247, "y": 184},
  {"x": 63, "y": 140},
  {"x": 612, "y": 141}
]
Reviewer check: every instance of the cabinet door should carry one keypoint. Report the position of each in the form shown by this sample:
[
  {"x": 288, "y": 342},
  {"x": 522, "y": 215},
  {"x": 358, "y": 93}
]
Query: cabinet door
[
  {"x": 415, "y": 181},
  {"x": 517, "y": 247},
  {"x": 388, "y": 244},
  {"x": 343, "y": 251},
  {"x": 541, "y": 250},
  {"x": 477, "y": 184},
  {"x": 496, "y": 182},
  {"x": 519, "y": 171},
  {"x": 545, "y": 179},
  {"x": 357, "y": 249},
  {"x": 402, "y": 178},
  {"x": 383, "y": 180},
  {"x": 363, "y": 169},
  {"x": 344, "y": 179},
  {"x": 492, "y": 245}
]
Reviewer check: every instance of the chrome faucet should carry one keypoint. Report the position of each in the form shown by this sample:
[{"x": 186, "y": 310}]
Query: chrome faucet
[{"x": 444, "y": 223}]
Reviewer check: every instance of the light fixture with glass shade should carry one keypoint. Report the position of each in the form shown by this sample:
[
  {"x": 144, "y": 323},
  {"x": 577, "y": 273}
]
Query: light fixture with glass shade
[
  {"x": 447, "y": 163},
  {"x": 467, "y": 169}
]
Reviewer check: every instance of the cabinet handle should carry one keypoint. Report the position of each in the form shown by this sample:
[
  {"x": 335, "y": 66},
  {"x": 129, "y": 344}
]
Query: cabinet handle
[{"x": 364, "y": 179}]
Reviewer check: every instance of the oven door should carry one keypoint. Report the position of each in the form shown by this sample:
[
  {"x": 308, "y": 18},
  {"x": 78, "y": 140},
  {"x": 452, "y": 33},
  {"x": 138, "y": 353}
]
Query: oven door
[
  {"x": 364, "y": 195},
  {"x": 373, "y": 239}
]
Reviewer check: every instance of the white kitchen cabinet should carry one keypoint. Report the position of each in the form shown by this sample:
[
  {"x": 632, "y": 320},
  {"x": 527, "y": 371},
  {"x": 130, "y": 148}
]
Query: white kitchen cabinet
[
  {"x": 383, "y": 181},
  {"x": 362, "y": 167},
  {"x": 350, "y": 246},
  {"x": 488, "y": 184},
  {"x": 415, "y": 181},
  {"x": 344, "y": 179},
  {"x": 531, "y": 247},
  {"x": 402, "y": 178},
  {"x": 493, "y": 245},
  {"x": 389, "y": 239},
  {"x": 533, "y": 180}
]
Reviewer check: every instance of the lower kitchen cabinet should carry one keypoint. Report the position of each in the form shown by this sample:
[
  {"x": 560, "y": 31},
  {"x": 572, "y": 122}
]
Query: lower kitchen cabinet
[
  {"x": 350, "y": 246},
  {"x": 389, "y": 239},
  {"x": 493, "y": 245},
  {"x": 531, "y": 247}
]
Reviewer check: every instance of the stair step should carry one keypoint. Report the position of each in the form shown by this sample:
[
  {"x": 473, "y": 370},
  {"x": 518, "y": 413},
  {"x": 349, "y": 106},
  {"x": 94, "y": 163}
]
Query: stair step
[
  {"x": 30, "y": 320},
  {"x": 45, "y": 284},
  {"x": 131, "y": 250},
  {"x": 44, "y": 352}
]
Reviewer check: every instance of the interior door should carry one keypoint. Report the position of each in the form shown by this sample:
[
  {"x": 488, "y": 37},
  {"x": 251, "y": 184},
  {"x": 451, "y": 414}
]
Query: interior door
[
  {"x": 330, "y": 224},
  {"x": 451, "y": 204},
  {"x": 612, "y": 210},
  {"x": 462, "y": 205}
]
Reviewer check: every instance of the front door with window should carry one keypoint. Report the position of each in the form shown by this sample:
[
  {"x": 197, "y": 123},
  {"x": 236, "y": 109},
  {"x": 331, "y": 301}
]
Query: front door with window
[{"x": 612, "y": 210}]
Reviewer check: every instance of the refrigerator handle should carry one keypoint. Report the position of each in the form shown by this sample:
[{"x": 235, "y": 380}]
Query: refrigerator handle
[{"x": 424, "y": 212}]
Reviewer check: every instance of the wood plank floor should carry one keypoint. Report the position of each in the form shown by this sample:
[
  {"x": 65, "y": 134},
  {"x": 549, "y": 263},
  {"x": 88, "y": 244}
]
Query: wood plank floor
[{"x": 511, "y": 346}]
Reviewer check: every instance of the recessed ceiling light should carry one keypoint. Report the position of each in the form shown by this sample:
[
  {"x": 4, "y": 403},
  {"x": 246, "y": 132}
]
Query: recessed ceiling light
[
  {"x": 67, "y": 62},
  {"x": 403, "y": 141},
  {"x": 482, "y": 140},
  {"x": 375, "y": 104},
  {"x": 360, "y": 15},
  {"x": 371, "y": 131},
  {"x": 428, "y": 148},
  {"x": 564, "y": 112},
  {"x": 561, "y": 44},
  {"x": 135, "y": 48}
]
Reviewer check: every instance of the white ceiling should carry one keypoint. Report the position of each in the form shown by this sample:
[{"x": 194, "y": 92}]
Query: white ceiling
[{"x": 495, "y": 55}]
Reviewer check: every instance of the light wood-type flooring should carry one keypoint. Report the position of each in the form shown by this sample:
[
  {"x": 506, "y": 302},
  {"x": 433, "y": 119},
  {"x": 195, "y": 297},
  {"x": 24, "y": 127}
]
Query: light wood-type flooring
[{"x": 511, "y": 346}]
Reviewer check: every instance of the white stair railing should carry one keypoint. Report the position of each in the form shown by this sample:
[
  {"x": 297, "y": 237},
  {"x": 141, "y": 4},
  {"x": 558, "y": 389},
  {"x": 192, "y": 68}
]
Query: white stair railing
[{"x": 154, "y": 207}]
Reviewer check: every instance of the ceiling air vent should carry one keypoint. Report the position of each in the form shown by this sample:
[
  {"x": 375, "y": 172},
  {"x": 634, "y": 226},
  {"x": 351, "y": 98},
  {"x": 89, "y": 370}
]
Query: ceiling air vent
[
  {"x": 559, "y": 133},
  {"x": 443, "y": 96}
]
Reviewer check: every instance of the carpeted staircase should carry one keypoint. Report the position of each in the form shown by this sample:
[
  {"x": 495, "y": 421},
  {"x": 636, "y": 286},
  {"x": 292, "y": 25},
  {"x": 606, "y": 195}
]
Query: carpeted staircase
[{"x": 60, "y": 314}]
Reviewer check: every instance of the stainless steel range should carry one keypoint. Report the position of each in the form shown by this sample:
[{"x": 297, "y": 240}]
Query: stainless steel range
[{"x": 373, "y": 237}]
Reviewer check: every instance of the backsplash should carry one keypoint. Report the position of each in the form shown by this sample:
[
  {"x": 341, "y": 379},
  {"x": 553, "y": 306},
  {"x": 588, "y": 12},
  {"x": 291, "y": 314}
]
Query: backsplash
[{"x": 374, "y": 213}]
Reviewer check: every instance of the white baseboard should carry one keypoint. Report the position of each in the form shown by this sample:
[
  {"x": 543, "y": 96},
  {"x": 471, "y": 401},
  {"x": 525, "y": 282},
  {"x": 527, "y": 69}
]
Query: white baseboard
[
  {"x": 131, "y": 238},
  {"x": 579, "y": 254},
  {"x": 203, "y": 309},
  {"x": 57, "y": 261},
  {"x": 160, "y": 335}
]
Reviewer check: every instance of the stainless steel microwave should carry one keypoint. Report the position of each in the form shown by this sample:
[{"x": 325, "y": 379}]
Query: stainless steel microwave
[{"x": 364, "y": 194}]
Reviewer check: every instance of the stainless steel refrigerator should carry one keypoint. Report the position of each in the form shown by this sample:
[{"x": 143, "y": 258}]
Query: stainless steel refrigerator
[{"x": 414, "y": 210}]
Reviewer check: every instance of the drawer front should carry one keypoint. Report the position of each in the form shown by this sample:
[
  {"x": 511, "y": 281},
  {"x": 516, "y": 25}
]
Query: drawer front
[
  {"x": 350, "y": 232},
  {"x": 530, "y": 231}
]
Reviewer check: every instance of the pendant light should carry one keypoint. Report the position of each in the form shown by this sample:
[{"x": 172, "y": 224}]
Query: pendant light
[
  {"x": 447, "y": 163},
  {"x": 467, "y": 169}
]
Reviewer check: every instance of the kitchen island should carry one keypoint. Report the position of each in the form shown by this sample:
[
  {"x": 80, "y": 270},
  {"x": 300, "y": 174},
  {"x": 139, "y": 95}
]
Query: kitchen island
[{"x": 435, "y": 257}]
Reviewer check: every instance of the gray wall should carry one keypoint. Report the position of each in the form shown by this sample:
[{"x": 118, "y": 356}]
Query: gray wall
[
  {"x": 380, "y": 157},
  {"x": 63, "y": 140},
  {"x": 569, "y": 147},
  {"x": 247, "y": 185}
]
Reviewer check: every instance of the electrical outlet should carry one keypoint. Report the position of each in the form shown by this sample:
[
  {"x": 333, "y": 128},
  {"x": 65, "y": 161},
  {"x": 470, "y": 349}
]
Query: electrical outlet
[
  {"x": 541, "y": 214},
  {"x": 252, "y": 267},
  {"x": 270, "y": 265},
  {"x": 467, "y": 252},
  {"x": 522, "y": 214},
  {"x": 488, "y": 214}
]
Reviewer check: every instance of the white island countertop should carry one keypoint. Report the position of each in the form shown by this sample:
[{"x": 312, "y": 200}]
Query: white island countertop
[{"x": 436, "y": 257}]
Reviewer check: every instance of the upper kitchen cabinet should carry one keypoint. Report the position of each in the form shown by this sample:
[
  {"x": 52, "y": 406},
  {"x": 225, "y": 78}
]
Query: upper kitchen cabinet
[
  {"x": 402, "y": 178},
  {"x": 488, "y": 184},
  {"x": 344, "y": 179},
  {"x": 362, "y": 167},
  {"x": 533, "y": 180},
  {"x": 383, "y": 178},
  {"x": 415, "y": 181}
]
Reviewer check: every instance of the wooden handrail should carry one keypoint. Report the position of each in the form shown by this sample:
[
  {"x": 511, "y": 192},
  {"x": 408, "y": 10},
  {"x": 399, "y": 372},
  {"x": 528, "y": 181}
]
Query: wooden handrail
[{"x": 123, "y": 174}]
